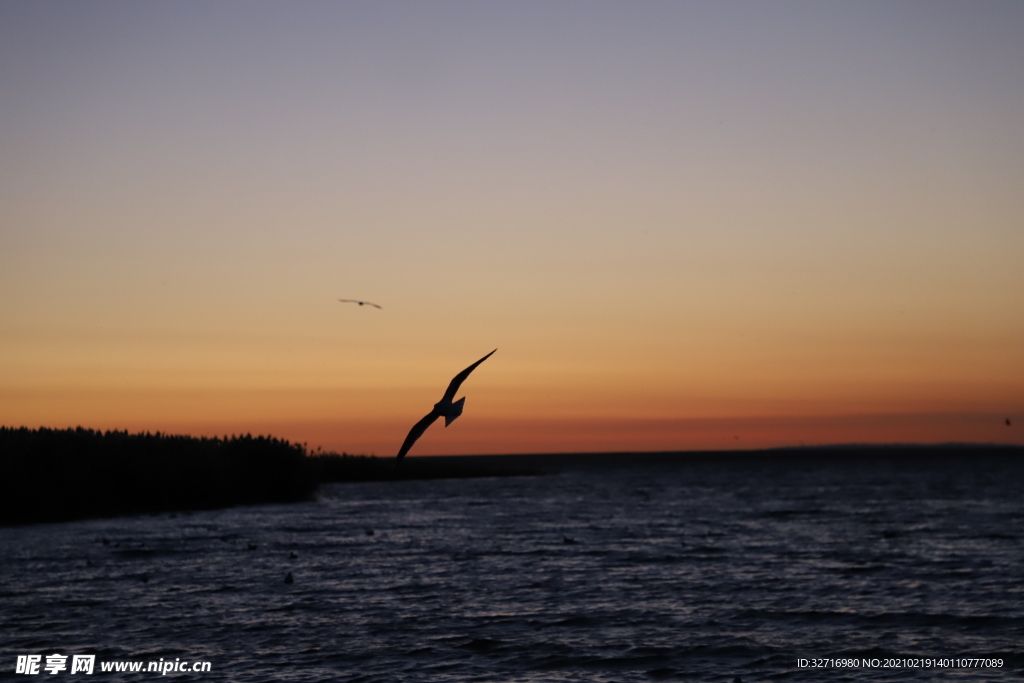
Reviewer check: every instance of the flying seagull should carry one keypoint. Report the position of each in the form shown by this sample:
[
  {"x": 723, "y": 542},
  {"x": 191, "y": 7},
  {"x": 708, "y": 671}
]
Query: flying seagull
[
  {"x": 445, "y": 407},
  {"x": 361, "y": 303}
]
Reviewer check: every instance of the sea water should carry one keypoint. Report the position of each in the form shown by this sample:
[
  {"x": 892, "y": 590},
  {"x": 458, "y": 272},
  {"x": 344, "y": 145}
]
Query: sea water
[{"x": 757, "y": 569}]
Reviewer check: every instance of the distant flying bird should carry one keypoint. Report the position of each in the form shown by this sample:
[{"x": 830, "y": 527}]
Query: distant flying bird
[
  {"x": 445, "y": 407},
  {"x": 361, "y": 303}
]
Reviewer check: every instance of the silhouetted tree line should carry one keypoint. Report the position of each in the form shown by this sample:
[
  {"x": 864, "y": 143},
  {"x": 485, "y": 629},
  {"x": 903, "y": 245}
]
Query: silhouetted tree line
[
  {"x": 49, "y": 475},
  {"x": 58, "y": 474}
]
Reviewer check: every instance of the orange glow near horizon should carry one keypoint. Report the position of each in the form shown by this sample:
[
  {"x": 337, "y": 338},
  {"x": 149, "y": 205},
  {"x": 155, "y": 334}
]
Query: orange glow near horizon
[
  {"x": 377, "y": 423},
  {"x": 489, "y": 437}
]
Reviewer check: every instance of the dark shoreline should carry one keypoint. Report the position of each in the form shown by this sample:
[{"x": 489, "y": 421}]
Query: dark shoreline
[
  {"x": 59, "y": 475},
  {"x": 840, "y": 451},
  {"x": 553, "y": 463}
]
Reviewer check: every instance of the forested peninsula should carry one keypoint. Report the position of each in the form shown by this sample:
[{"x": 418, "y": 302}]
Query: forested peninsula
[
  {"x": 50, "y": 475},
  {"x": 57, "y": 474}
]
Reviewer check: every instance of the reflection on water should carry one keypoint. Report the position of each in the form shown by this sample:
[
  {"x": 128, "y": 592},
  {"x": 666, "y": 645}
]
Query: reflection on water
[{"x": 689, "y": 571}]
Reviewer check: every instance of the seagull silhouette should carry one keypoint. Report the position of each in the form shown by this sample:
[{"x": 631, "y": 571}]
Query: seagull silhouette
[
  {"x": 361, "y": 303},
  {"x": 445, "y": 407}
]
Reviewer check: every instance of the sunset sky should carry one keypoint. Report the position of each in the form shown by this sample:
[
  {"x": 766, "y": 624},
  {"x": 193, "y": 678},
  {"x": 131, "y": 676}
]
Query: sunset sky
[{"x": 683, "y": 225}]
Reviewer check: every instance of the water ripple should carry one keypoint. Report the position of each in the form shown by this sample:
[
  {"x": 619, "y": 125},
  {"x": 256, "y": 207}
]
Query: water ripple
[{"x": 692, "y": 571}]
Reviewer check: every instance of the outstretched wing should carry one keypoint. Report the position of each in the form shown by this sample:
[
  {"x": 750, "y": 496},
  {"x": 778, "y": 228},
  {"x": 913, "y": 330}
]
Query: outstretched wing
[
  {"x": 361, "y": 303},
  {"x": 460, "y": 378},
  {"x": 417, "y": 431}
]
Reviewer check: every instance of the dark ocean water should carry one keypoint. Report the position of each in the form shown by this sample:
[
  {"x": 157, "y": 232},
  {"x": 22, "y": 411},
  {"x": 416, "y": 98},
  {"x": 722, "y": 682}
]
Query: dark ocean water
[{"x": 645, "y": 570}]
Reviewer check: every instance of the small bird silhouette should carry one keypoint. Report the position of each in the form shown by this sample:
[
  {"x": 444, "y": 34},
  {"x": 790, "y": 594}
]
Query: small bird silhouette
[
  {"x": 361, "y": 303},
  {"x": 446, "y": 406}
]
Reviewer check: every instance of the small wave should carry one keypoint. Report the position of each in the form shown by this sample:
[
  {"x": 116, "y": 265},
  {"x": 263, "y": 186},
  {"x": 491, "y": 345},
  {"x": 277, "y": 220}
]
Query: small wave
[{"x": 482, "y": 644}]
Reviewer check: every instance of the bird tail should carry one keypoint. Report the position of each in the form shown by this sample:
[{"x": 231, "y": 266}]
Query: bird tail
[{"x": 455, "y": 411}]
